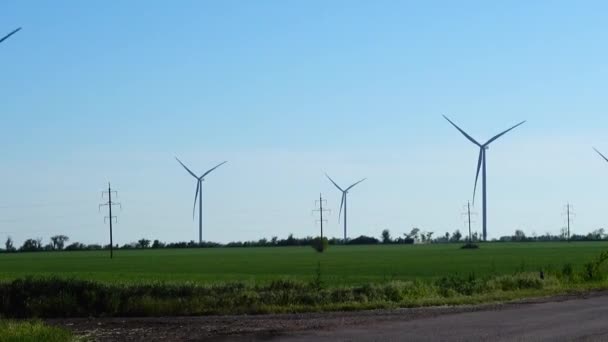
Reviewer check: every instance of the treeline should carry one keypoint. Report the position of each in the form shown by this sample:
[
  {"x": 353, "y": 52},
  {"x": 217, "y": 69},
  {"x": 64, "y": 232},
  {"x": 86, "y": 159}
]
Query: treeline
[
  {"x": 415, "y": 236},
  {"x": 520, "y": 236}
]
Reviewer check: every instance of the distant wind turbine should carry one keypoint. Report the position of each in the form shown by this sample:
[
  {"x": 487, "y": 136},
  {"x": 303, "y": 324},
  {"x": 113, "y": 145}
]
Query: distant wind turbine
[
  {"x": 600, "y": 153},
  {"x": 343, "y": 202},
  {"x": 199, "y": 194},
  {"x": 481, "y": 165},
  {"x": 10, "y": 34}
]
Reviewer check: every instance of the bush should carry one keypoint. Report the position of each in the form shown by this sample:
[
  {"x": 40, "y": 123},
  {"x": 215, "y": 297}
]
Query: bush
[
  {"x": 319, "y": 245},
  {"x": 470, "y": 246},
  {"x": 567, "y": 271}
]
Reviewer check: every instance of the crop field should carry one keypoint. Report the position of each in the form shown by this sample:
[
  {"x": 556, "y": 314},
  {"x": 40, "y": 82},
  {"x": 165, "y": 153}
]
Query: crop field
[{"x": 340, "y": 265}]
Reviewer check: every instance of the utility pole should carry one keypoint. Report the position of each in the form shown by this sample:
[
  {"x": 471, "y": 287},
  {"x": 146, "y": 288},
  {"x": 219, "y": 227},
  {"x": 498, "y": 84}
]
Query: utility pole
[
  {"x": 568, "y": 215},
  {"x": 109, "y": 204},
  {"x": 469, "y": 221},
  {"x": 321, "y": 211}
]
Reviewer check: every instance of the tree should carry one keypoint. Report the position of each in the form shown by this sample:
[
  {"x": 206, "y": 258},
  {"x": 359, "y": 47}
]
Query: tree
[
  {"x": 456, "y": 236},
  {"x": 386, "y": 236},
  {"x": 9, "y": 245},
  {"x": 274, "y": 240},
  {"x": 563, "y": 233},
  {"x": 429, "y": 236},
  {"x": 76, "y": 246},
  {"x": 519, "y": 235},
  {"x": 158, "y": 244},
  {"x": 58, "y": 241},
  {"x": 31, "y": 245},
  {"x": 413, "y": 234},
  {"x": 597, "y": 234},
  {"x": 143, "y": 243}
]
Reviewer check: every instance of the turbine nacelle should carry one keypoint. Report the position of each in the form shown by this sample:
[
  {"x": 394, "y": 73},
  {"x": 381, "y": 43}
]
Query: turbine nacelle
[{"x": 344, "y": 192}]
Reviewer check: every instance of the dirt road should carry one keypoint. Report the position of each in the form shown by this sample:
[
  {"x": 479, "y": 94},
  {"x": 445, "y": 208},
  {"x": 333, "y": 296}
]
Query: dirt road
[{"x": 563, "y": 318}]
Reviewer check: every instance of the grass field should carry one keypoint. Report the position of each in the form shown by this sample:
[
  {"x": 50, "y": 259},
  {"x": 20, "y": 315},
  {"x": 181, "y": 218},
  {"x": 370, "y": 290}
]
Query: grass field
[{"x": 340, "y": 265}]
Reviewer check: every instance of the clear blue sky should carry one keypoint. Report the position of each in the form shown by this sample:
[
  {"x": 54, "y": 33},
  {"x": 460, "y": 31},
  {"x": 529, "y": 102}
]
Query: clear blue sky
[{"x": 286, "y": 90}]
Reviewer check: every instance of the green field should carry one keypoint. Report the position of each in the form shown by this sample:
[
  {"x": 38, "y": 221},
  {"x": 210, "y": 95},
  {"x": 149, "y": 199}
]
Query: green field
[{"x": 339, "y": 265}]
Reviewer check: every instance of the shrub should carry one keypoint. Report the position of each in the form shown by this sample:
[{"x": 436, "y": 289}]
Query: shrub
[
  {"x": 319, "y": 245},
  {"x": 470, "y": 246},
  {"x": 567, "y": 271}
]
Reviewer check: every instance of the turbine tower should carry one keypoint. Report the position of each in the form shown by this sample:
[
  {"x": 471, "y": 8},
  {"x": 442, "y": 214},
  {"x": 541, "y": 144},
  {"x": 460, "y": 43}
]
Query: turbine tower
[
  {"x": 481, "y": 165},
  {"x": 10, "y": 34},
  {"x": 199, "y": 194},
  {"x": 343, "y": 202}
]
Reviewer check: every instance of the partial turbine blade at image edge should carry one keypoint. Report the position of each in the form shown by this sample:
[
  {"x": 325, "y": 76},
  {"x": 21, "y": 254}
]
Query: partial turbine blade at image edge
[
  {"x": 10, "y": 34},
  {"x": 600, "y": 153}
]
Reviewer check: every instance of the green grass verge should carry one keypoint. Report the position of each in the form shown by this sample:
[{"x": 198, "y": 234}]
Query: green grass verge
[
  {"x": 57, "y": 297},
  {"x": 27, "y": 331}
]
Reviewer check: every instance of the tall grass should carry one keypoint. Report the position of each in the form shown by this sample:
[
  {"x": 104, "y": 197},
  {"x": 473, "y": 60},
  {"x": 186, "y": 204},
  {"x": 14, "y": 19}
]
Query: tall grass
[
  {"x": 15, "y": 331},
  {"x": 58, "y": 297}
]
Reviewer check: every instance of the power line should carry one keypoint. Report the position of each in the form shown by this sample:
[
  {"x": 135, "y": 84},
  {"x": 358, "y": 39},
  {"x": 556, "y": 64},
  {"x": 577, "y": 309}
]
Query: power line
[
  {"x": 568, "y": 216},
  {"x": 320, "y": 201},
  {"x": 110, "y": 204},
  {"x": 468, "y": 214}
]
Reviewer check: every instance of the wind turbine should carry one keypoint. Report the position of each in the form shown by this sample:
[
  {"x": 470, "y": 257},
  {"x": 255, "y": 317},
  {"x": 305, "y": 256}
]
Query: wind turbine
[
  {"x": 601, "y": 155},
  {"x": 343, "y": 202},
  {"x": 199, "y": 194},
  {"x": 481, "y": 164},
  {"x": 10, "y": 34}
]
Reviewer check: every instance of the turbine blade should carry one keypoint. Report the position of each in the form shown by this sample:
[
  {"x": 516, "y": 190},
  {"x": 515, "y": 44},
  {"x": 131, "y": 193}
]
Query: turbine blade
[
  {"x": 503, "y": 133},
  {"x": 481, "y": 153},
  {"x": 352, "y": 186},
  {"x": 337, "y": 186},
  {"x": 463, "y": 132},
  {"x": 187, "y": 169},
  {"x": 198, "y": 185},
  {"x": 600, "y": 153},
  {"x": 208, "y": 172},
  {"x": 341, "y": 204},
  {"x": 10, "y": 34}
]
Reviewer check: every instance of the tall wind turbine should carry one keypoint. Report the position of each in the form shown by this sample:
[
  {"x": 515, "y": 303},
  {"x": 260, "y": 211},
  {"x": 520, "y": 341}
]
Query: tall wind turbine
[
  {"x": 199, "y": 194},
  {"x": 343, "y": 202},
  {"x": 481, "y": 165},
  {"x": 10, "y": 34}
]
